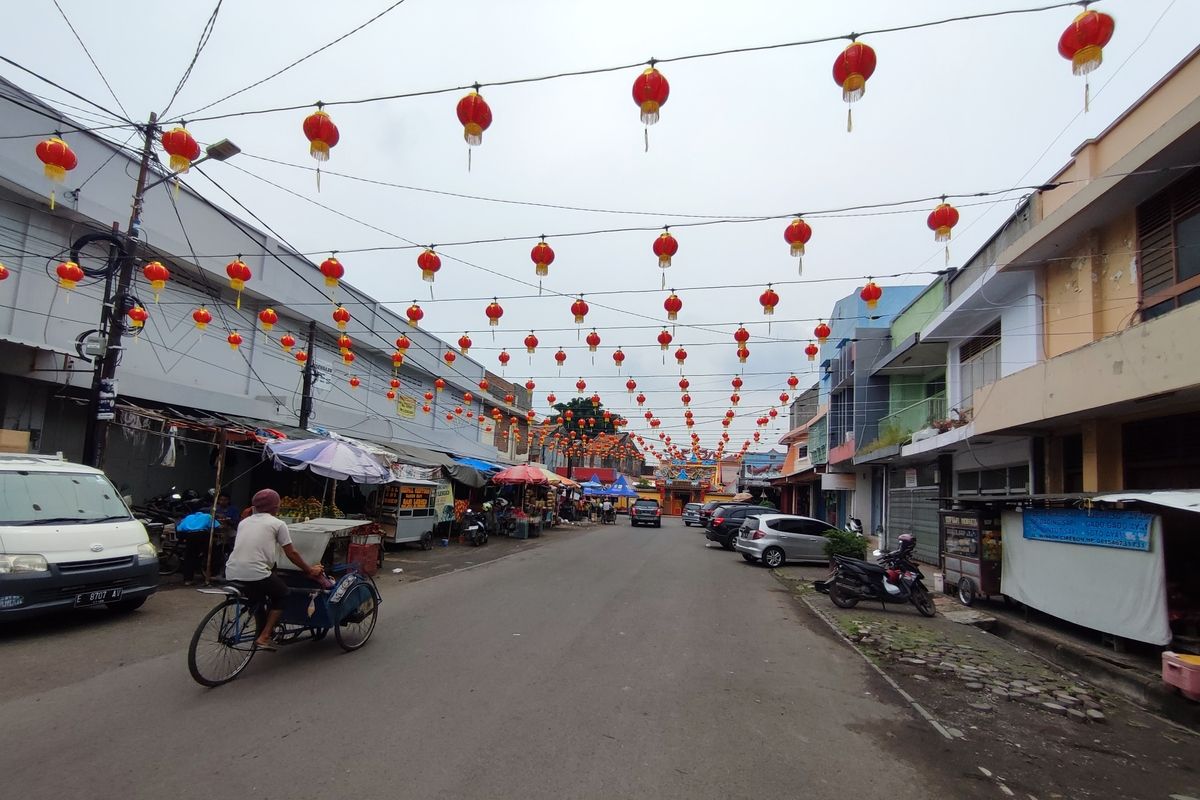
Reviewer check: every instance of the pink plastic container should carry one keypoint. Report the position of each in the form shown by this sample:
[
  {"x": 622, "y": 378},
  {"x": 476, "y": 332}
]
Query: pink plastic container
[{"x": 1182, "y": 672}]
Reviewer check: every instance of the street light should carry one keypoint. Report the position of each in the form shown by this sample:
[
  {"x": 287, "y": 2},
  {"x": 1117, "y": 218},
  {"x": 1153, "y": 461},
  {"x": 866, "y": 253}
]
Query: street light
[{"x": 102, "y": 404}]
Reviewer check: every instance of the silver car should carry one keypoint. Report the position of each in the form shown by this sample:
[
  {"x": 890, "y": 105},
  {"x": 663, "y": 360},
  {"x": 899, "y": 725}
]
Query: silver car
[
  {"x": 775, "y": 539},
  {"x": 691, "y": 515}
]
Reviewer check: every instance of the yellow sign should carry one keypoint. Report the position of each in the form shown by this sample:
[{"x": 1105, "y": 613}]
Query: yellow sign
[
  {"x": 415, "y": 497},
  {"x": 406, "y": 406}
]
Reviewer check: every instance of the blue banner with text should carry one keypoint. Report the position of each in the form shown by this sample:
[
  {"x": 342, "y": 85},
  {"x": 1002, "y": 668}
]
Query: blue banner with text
[{"x": 1125, "y": 530}]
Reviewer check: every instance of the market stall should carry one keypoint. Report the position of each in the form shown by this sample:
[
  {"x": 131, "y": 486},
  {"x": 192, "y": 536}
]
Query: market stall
[
  {"x": 530, "y": 499},
  {"x": 971, "y": 552}
]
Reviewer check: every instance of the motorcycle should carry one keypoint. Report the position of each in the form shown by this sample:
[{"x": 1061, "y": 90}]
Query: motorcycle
[
  {"x": 474, "y": 528},
  {"x": 854, "y": 525},
  {"x": 608, "y": 516},
  {"x": 895, "y": 579}
]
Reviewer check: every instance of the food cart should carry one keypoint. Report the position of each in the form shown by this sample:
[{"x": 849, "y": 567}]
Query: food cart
[
  {"x": 971, "y": 552},
  {"x": 408, "y": 511},
  {"x": 331, "y": 542}
]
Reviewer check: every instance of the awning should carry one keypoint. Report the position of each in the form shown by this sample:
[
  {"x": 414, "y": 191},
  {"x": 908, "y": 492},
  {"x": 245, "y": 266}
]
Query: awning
[
  {"x": 1184, "y": 499},
  {"x": 479, "y": 464}
]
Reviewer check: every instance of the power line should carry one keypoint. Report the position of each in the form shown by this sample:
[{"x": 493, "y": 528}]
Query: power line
[
  {"x": 61, "y": 88},
  {"x": 59, "y": 120},
  {"x": 205, "y": 34},
  {"x": 632, "y": 65},
  {"x": 298, "y": 61},
  {"x": 88, "y": 53}
]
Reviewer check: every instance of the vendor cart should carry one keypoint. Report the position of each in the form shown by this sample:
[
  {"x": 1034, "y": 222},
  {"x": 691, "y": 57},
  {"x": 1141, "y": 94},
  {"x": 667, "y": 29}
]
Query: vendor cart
[
  {"x": 407, "y": 511},
  {"x": 323, "y": 541},
  {"x": 971, "y": 553}
]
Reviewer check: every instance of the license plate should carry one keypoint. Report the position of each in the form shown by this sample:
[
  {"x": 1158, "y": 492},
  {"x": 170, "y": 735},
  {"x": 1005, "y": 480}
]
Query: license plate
[{"x": 98, "y": 596}]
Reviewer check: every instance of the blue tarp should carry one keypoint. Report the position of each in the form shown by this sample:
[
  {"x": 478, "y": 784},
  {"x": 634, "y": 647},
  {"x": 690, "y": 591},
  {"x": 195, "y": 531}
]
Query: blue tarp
[{"x": 479, "y": 464}]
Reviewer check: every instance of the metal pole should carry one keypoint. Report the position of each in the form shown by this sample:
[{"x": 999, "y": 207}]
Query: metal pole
[
  {"x": 104, "y": 393},
  {"x": 306, "y": 399},
  {"x": 216, "y": 499}
]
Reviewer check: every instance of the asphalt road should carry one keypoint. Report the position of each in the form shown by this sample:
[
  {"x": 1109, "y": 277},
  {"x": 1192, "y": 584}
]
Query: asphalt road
[{"x": 613, "y": 662}]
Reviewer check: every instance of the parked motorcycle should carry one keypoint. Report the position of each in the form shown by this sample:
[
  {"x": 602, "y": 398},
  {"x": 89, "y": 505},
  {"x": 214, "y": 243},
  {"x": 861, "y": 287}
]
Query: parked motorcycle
[
  {"x": 854, "y": 525},
  {"x": 474, "y": 528},
  {"x": 895, "y": 579}
]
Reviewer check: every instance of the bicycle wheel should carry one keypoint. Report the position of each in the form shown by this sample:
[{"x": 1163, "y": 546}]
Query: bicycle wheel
[
  {"x": 353, "y": 631},
  {"x": 223, "y": 643}
]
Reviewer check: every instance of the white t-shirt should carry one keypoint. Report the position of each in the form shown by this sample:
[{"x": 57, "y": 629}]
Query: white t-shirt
[
  {"x": 606, "y": 506},
  {"x": 253, "y": 553}
]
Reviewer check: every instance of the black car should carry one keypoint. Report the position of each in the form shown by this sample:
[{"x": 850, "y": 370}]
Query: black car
[
  {"x": 725, "y": 520},
  {"x": 645, "y": 512},
  {"x": 707, "y": 509}
]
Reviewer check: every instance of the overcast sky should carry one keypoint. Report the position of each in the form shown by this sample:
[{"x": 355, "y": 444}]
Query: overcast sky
[{"x": 971, "y": 106}]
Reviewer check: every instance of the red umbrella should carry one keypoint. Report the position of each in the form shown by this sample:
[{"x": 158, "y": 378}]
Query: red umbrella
[{"x": 522, "y": 473}]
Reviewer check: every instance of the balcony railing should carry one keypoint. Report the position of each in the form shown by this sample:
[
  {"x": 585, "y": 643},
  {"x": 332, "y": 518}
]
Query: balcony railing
[{"x": 916, "y": 416}]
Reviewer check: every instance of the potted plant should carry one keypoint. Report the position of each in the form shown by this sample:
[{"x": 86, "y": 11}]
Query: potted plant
[{"x": 844, "y": 543}]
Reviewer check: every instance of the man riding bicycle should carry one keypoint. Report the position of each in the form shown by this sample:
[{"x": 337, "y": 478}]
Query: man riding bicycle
[{"x": 253, "y": 558}]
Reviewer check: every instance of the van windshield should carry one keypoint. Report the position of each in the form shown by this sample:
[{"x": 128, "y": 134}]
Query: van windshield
[{"x": 52, "y": 498}]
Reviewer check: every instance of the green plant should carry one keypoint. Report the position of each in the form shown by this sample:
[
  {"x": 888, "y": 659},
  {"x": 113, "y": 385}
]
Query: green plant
[
  {"x": 844, "y": 543},
  {"x": 765, "y": 503},
  {"x": 890, "y": 434}
]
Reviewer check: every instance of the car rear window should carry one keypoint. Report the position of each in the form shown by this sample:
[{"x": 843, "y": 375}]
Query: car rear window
[
  {"x": 649, "y": 503},
  {"x": 692, "y": 506}
]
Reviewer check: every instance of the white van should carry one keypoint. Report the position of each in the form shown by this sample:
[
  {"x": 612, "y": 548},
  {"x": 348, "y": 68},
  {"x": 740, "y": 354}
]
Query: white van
[{"x": 67, "y": 540}]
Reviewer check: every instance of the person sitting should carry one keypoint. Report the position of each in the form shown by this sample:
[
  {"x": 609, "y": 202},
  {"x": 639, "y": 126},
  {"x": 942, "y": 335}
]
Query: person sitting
[
  {"x": 606, "y": 510},
  {"x": 253, "y": 559}
]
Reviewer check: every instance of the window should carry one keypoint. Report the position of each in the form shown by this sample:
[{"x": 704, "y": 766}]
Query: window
[
  {"x": 998, "y": 481},
  {"x": 980, "y": 363},
  {"x": 1168, "y": 233},
  {"x": 41, "y": 498}
]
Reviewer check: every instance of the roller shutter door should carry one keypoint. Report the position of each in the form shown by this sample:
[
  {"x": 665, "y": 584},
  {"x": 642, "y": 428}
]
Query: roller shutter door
[{"x": 915, "y": 511}]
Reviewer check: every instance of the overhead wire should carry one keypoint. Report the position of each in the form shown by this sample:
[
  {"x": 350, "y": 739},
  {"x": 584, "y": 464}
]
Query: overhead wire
[
  {"x": 297, "y": 62},
  {"x": 631, "y": 65},
  {"x": 62, "y": 88},
  {"x": 88, "y": 53},
  {"x": 205, "y": 35}
]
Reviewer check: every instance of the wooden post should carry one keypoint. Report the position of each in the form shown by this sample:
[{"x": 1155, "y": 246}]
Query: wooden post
[{"x": 213, "y": 511}]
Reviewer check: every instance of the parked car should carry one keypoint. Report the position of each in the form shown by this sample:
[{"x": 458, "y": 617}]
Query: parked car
[
  {"x": 725, "y": 521},
  {"x": 707, "y": 509},
  {"x": 775, "y": 539},
  {"x": 67, "y": 540},
  {"x": 645, "y": 512},
  {"x": 691, "y": 514}
]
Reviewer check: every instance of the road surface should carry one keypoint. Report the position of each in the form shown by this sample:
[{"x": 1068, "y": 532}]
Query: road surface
[{"x": 611, "y": 662}]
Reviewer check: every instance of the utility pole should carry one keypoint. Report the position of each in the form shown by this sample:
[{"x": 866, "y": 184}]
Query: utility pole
[
  {"x": 102, "y": 405},
  {"x": 306, "y": 399}
]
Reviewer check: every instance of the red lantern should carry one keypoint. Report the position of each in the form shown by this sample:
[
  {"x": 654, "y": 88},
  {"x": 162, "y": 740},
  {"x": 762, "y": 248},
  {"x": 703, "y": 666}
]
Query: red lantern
[
  {"x": 793, "y": 382},
  {"x": 560, "y": 357},
  {"x": 238, "y": 274},
  {"x": 235, "y": 340},
  {"x": 414, "y": 314},
  {"x": 797, "y": 234},
  {"x": 619, "y": 358},
  {"x": 743, "y": 353},
  {"x": 448, "y": 357},
  {"x": 735, "y": 398},
  {"x": 531, "y": 343},
  {"x": 530, "y": 385},
  {"x": 137, "y": 317},
  {"x": 402, "y": 343},
  {"x": 428, "y": 396},
  {"x": 340, "y": 317},
  {"x": 333, "y": 271},
  {"x": 741, "y": 336},
  {"x": 287, "y": 342},
  {"x": 57, "y": 160},
  {"x": 630, "y": 385},
  {"x": 664, "y": 339},
  {"x": 3, "y": 273},
  {"x": 348, "y": 358},
  {"x": 686, "y": 399},
  {"x": 69, "y": 274},
  {"x": 301, "y": 357},
  {"x": 503, "y": 358},
  {"x": 321, "y": 133},
  {"x": 736, "y": 383},
  {"x": 756, "y": 436},
  {"x": 267, "y": 318},
  {"x": 593, "y": 340},
  {"x": 1082, "y": 43},
  {"x": 493, "y": 312},
  {"x": 783, "y": 397},
  {"x": 680, "y": 356},
  {"x": 941, "y": 221},
  {"x": 391, "y": 395},
  {"x": 851, "y": 70},
  {"x": 430, "y": 263},
  {"x": 650, "y": 92},
  {"x": 822, "y": 331},
  {"x": 468, "y": 397},
  {"x": 181, "y": 148},
  {"x": 355, "y": 382},
  {"x": 768, "y": 300},
  {"x": 811, "y": 351},
  {"x": 871, "y": 293},
  {"x": 158, "y": 275},
  {"x": 395, "y": 384},
  {"x": 665, "y": 246},
  {"x": 773, "y": 413},
  {"x": 464, "y": 343},
  {"x": 581, "y": 384},
  {"x": 439, "y": 384},
  {"x": 579, "y": 309},
  {"x": 641, "y": 399},
  {"x": 483, "y": 385},
  {"x": 551, "y": 399},
  {"x": 542, "y": 256},
  {"x": 673, "y": 305},
  {"x": 684, "y": 383},
  {"x": 344, "y": 343},
  {"x": 475, "y": 115}
]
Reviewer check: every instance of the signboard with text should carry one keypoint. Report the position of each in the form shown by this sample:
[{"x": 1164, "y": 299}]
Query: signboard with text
[{"x": 1124, "y": 530}]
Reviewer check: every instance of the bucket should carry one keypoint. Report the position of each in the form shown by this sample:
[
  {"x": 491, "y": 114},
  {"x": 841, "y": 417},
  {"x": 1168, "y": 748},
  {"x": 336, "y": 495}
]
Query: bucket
[
  {"x": 445, "y": 542},
  {"x": 939, "y": 582}
]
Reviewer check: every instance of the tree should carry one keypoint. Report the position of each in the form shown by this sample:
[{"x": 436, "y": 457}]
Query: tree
[{"x": 586, "y": 420}]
